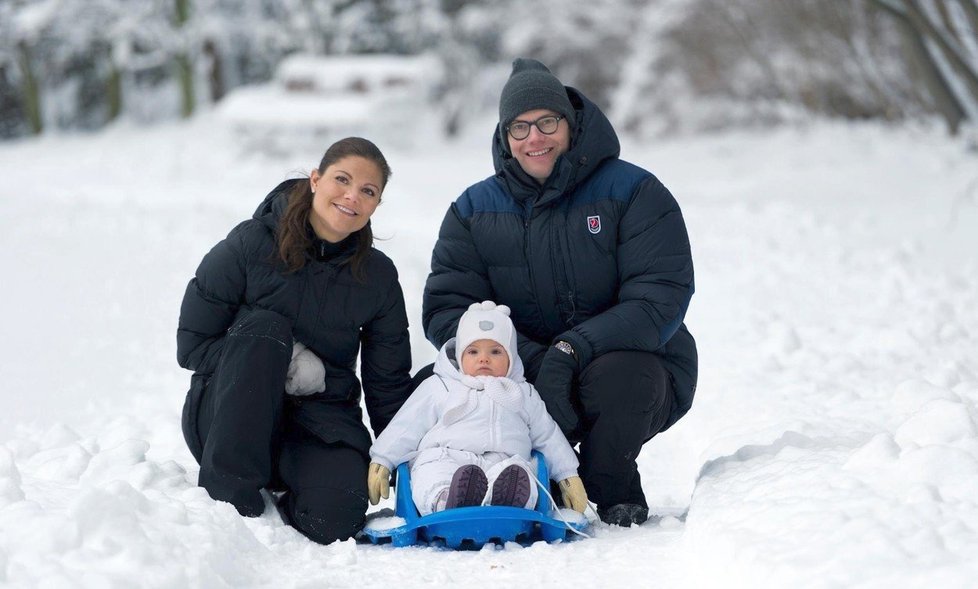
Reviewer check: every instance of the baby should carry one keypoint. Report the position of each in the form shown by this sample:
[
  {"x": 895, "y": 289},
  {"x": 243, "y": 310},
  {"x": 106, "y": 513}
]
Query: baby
[{"x": 469, "y": 429}]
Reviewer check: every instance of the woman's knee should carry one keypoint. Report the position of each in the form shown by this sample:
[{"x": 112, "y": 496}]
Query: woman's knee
[{"x": 262, "y": 323}]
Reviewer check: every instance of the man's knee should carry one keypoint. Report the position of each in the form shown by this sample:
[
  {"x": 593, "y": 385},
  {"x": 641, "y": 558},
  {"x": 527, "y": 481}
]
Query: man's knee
[
  {"x": 625, "y": 382},
  {"x": 326, "y": 514}
]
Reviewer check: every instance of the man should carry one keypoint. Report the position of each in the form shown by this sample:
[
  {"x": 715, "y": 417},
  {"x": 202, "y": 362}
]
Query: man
[{"x": 591, "y": 255}]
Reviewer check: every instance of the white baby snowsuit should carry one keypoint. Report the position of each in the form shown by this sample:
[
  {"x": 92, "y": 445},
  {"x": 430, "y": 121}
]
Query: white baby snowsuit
[{"x": 453, "y": 419}]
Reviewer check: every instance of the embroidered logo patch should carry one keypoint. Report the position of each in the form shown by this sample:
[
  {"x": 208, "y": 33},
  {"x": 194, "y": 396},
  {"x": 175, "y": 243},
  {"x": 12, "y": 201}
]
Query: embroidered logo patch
[
  {"x": 486, "y": 325},
  {"x": 594, "y": 224}
]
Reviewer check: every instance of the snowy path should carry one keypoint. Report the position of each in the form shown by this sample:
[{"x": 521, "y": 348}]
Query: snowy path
[{"x": 833, "y": 442}]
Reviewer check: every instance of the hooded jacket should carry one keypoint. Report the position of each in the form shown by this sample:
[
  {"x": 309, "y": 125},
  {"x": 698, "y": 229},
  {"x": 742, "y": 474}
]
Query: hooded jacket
[
  {"x": 598, "y": 256},
  {"x": 447, "y": 412},
  {"x": 331, "y": 312}
]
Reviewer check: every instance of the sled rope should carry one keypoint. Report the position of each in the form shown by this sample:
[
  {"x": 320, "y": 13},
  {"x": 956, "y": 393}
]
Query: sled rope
[{"x": 556, "y": 510}]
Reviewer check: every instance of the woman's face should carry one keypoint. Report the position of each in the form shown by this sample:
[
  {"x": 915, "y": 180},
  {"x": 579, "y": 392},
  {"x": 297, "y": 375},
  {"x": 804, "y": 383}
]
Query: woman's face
[{"x": 344, "y": 197}]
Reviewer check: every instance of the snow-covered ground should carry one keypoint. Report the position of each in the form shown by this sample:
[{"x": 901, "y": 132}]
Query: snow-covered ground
[{"x": 833, "y": 442}]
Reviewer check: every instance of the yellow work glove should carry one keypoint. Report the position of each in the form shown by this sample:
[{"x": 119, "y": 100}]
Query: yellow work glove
[
  {"x": 572, "y": 490},
  {"x": 379, "y": 483}
]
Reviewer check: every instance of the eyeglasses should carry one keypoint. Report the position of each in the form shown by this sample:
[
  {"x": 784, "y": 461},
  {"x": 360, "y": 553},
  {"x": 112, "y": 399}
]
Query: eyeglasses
[{"x": 547, "y": 125}]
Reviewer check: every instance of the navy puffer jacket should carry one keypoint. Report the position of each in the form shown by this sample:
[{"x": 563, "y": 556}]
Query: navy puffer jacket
[
  {"x": 598, "y": 256},
  {"x": 331, "y": 312}
]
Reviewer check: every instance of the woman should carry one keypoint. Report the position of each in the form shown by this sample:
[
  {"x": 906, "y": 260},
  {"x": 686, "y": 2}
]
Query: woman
[{"x": 271, "y": 325}]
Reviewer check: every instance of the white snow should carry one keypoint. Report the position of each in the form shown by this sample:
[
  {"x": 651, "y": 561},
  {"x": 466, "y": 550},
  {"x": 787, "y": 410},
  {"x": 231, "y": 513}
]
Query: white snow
[
  {"x": 832, "y": 443},
  {"x": 384, "y": 524}
]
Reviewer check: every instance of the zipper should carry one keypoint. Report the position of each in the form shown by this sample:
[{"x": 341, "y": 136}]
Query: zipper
[
  {"x": 320, "y": 297},
  {"x": 562, "y": 281},
  {"x": 527, "y": 214}
]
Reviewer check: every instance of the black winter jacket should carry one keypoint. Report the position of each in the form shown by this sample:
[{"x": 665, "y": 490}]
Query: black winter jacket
[
  {"x": 330, "y": 312},
  {"x": 598, "y": 255}
]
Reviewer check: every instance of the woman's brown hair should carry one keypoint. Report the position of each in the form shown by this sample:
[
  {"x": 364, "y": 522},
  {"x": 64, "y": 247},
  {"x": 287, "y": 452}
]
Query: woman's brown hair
[{"x": 294, "y": 234}]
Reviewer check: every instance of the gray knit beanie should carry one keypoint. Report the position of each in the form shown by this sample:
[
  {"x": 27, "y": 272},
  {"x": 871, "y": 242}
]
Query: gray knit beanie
[{"x": 532, "y": 86}]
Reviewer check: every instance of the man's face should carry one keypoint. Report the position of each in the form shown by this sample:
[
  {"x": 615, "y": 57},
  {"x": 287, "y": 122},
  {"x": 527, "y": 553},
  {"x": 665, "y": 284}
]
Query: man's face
[{"x": 537, "y": 152}]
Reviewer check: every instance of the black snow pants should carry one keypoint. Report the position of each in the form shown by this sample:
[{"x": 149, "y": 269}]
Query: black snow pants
[
  {"x": 237, "y": 426},
  {"x": 624, "y": 399}
]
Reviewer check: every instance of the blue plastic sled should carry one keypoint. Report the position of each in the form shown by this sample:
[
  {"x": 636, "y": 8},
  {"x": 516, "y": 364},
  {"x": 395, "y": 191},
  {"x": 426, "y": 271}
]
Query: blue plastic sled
[{"x": 472, "y": 527}]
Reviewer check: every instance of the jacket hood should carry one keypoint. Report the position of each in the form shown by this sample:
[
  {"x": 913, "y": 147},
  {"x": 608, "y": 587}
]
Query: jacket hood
[
  {"x": 593, "y": 142},
  {"x": 447, "y": 367},
  {"x": 271, "y": 209},
  {"x": 273, "y": 206}
]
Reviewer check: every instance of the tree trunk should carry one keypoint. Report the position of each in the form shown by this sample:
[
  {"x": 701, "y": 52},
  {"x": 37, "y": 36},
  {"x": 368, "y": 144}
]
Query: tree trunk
[
  {"x": 185, "y": 76},
  {"x": 215, "y": 70},
  {"x": 114, "y": 92},
  {"x": 184, "y": 66},
  {"x": 31, "y": 93}
]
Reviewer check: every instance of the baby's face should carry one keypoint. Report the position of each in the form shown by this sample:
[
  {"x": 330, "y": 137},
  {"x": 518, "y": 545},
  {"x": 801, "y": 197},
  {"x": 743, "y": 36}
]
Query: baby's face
[{"x": 485, "y": 357}]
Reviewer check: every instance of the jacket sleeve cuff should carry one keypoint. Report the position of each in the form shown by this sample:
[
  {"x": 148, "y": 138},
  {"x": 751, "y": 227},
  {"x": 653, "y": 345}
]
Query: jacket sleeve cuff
[
  {"x": 582, "y": 348},
  {"x": 559, "y": 476},
  {"x": 382, "y": 461}
]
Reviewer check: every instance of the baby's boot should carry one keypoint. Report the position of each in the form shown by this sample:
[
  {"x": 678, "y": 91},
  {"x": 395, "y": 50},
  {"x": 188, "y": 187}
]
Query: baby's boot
[
  {"x": 469, "y": 486},
  {"x": 512, "y": 487}
]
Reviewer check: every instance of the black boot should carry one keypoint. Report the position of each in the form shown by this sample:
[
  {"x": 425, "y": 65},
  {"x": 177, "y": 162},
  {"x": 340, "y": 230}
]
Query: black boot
[{"x": 624, "y": 514}]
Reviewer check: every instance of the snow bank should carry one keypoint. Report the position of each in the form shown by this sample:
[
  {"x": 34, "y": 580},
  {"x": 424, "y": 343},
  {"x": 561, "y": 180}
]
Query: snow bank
[{"x": 833, "y": 442}]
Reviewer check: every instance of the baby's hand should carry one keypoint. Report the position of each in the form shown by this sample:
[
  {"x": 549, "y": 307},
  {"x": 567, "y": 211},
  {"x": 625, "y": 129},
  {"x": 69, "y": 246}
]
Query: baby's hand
[
  {"x": 378, "y": 483},
  {"x": 572, "y": 490}
]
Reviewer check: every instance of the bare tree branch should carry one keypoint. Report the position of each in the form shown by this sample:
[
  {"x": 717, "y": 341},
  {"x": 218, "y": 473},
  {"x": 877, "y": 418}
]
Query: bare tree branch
[
  {"x": 970, "y": 9},
  {"x": 941, "y": 7},
  {"x": 944, "y": 99},
  {"x": 876, "y": 84},
  {"x": 759, "y": 58},
  {"x": 950, "y": 50},
  {"x": 893, "y": 7}
]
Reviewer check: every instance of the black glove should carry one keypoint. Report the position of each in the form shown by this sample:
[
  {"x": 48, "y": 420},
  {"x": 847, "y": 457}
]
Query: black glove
[{"x": 554, "y": 383}]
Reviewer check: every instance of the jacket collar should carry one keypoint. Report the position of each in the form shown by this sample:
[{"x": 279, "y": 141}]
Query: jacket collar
[{"x": 325, "y": 251}]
